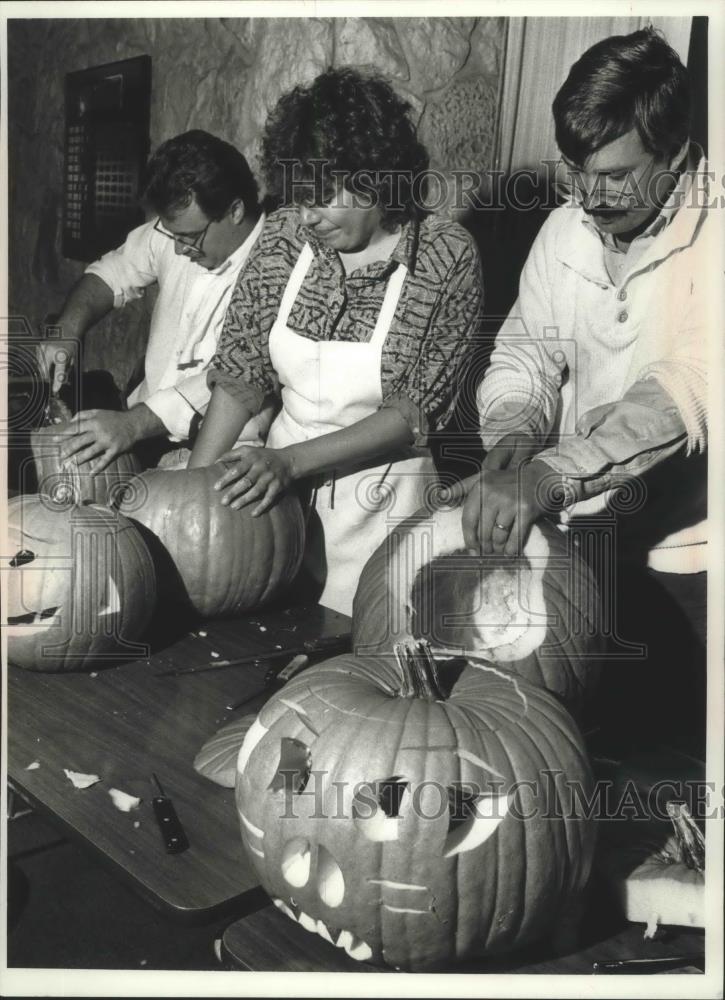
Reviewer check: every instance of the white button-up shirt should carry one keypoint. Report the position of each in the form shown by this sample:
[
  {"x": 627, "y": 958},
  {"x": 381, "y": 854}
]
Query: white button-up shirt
[{"x": 186, "y": 322}]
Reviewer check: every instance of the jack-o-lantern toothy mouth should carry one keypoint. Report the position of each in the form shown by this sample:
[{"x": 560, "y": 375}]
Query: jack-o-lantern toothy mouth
[{"x": 353, "y": 946}]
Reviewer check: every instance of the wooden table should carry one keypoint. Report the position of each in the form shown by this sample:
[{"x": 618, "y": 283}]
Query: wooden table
[
  {"x": 267, "y": 941},
  {"x": 125, "y": 722}
]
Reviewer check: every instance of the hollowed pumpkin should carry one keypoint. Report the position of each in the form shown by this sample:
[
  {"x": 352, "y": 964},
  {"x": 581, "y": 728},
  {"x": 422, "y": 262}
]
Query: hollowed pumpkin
[
  {"x": 415, "y": 815},
  {"x": 81, "y": 585},
  {"x": 73, "y": 483},
  {"x": 225, "y": 560},
  {"x": 537, "y": 616}
]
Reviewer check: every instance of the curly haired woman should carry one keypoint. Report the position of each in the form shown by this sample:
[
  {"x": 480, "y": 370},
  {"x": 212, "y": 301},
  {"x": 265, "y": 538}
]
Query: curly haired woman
[{"x": 356, "y": 308}]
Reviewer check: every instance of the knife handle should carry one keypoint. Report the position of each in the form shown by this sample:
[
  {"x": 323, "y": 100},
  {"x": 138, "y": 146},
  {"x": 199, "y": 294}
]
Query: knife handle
[{"x": 172, "y": 832}]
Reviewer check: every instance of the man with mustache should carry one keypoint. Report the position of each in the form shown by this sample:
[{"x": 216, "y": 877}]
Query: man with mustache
[{"x": 598, "y": 377}]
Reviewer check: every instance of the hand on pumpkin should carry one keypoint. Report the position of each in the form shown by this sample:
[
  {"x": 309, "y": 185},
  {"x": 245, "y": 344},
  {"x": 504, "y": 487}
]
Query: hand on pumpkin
[
  {"x": 510, "y": 452},
  {"x": 99, "y": 436},
  {"x": 254, "y": 474},
  {"x": 503, "y": 504}
]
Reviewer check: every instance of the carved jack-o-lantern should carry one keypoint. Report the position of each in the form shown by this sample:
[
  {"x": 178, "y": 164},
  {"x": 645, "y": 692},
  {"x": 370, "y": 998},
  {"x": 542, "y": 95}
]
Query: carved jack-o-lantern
[
  {"x": 81, "y": 585},
  {"x": 537, "y": 616},
  {"x": 411, "y": 826}
]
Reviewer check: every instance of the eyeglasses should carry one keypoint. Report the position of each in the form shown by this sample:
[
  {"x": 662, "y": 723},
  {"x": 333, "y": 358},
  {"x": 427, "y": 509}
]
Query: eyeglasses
[
  {"x": 623, "y": 185},
  {"x": 190, "y": 243}
]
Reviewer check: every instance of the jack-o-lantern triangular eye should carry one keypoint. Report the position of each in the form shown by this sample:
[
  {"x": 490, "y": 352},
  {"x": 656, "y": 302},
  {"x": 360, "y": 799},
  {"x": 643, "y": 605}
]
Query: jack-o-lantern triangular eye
[
  {"x": 22, "y": 558},
  {"x": 293, "y": 770},
  {"x": 472, "y": 819}
]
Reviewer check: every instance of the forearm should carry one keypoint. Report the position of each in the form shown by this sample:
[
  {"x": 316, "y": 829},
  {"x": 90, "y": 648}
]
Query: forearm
[
  {"x": 625, "y": 438},
  {"x": 382, "y": 433},
  {"x": 145, "y": 423},
  {"x": 224, "y": 420},
  {"x": 511, "y": 451},
  {"x": 88, "y": 302},
  {"x": 519, "y": 394}
]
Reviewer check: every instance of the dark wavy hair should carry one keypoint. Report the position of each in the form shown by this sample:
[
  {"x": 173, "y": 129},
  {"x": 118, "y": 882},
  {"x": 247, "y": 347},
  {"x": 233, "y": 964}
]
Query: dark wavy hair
[
  {"x": 347, "y": 127},
  {"x": 624, "y": 82},
  {"x": 199, "y": 164}
]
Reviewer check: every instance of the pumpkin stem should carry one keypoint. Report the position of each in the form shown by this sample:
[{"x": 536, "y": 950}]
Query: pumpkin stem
[
  {"x": 420, "y": 675},
  {"x": 690, "y": 840}
]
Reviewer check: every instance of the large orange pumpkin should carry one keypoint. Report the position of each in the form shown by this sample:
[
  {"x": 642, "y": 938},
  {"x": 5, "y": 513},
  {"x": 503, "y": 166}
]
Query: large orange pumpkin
[
  {"x": 537, "y": 616},
  {"x": 72, "y": 483},
  {"x": 80, "y": 586},
  {"x": 226, "y": 560},
  {"x": 415, "y": 820}
]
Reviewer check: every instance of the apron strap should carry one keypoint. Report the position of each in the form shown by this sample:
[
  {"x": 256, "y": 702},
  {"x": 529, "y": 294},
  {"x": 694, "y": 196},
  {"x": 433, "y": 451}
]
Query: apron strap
[
  {"x": 294, "y": 284},
  {"x": 390, "y": 304}
]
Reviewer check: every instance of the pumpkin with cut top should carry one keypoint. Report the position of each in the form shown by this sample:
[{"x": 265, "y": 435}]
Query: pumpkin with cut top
[
  {"x": 67, "y": 482},
  {"x": 416, "y": 812},
  {"x": 81, "y": 587},
  {"x": 538, "y": 615}
]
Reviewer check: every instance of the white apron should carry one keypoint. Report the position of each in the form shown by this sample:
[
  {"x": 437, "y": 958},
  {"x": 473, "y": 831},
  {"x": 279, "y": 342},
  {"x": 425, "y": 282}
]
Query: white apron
[{"x": 326, "y": 386}]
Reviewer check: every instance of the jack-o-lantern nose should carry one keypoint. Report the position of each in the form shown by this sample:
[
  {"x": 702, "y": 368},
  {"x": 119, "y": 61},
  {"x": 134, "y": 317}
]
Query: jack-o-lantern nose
[
  {"x": 297, "y": 869},
  {"x": 377, "y": 807},
  {"x": 330, "y": 880},
  {"x": 296, "y": 862}
]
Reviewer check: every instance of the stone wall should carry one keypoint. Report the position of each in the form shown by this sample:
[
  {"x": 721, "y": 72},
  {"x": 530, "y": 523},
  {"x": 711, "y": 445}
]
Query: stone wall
[{"x": 222, "y": 75}]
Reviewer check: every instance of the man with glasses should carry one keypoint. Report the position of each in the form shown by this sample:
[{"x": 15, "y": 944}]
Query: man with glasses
[
  {"x": 598, "y": 376},
  {"x": 208, "y": 219}
]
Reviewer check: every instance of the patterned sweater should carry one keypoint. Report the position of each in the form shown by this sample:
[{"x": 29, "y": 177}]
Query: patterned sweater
[{"x": 434, "y": 324}]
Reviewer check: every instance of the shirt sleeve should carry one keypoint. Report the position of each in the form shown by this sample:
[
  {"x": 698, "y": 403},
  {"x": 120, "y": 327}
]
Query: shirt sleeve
[
  {"x": 176, "y": 406},
  {"x": 683, "y": 370},
  {"x": 242, "y": 364},
  {"x": 626, "y": 437},
  {"x": 426, "y": 393},
  {"x": 520, "y": 390},
  {"x": 132, "y": 267}
]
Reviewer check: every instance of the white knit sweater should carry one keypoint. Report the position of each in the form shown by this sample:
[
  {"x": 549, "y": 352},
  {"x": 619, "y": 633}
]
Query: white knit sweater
[{"x": 575, "y": 342}]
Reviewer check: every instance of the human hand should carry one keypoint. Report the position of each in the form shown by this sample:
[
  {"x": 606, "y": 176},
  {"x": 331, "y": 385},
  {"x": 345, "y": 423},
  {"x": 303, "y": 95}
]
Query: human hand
[
  {"x": 254, "y": 474},
  {"x": 510, "y": 451},
  {"x": 502, "y": 505},
  {"x": 97, "y": 437}
]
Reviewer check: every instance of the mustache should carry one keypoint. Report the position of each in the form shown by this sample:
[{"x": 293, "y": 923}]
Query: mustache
[{"x": 604, "y": 210}]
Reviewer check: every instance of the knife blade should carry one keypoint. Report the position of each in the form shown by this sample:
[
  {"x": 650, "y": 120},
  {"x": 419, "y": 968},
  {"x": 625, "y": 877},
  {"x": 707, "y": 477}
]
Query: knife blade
[
  {"x": 172, "y": 832},
  {"x": 274, "y": 680},
  {"x": 309, "y": 647},
  {"x": 639, "y": 966}
]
